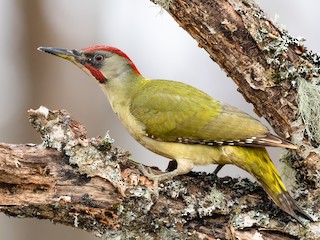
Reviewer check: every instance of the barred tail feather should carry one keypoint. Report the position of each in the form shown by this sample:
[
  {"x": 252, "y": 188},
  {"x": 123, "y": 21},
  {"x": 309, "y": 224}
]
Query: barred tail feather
[{"x": 271, "y": 140}]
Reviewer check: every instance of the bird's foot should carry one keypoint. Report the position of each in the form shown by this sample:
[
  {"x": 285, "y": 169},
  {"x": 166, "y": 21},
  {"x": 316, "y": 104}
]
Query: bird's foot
[
  {"x": 153, "y": 177},
  {"x": 183, "y": 166}
]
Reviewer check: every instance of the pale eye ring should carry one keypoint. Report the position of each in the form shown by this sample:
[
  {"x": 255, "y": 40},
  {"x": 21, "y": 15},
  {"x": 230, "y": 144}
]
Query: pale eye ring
[{"x": 98, "y": 58}]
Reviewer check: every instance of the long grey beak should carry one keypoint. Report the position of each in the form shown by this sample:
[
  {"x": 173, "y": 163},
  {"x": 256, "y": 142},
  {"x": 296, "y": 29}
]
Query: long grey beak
[{"x": 71, "y": 55}]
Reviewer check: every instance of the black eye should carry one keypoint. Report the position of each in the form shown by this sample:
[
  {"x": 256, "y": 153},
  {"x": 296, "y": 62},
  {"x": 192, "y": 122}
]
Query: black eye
[{"x": 98, "y": 58}]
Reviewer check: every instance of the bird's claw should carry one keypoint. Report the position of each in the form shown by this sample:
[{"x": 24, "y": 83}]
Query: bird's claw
[{"x": 153, "y": 177}]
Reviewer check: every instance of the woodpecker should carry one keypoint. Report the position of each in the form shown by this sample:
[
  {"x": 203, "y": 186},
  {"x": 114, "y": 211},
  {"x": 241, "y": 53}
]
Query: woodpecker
[{"x": 183, "y": 123}]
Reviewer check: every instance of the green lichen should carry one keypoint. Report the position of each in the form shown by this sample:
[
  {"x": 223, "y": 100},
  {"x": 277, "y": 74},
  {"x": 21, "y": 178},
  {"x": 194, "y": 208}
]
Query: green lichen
[
  {"x": 165, "y": 4},
  {"x": 287, "y": 172},
  {"x": 213, "y": 202},
  {"x": 107, "y": 138},
  {"x": 309, "y": 106},
  {"x": 303, "y": 74},
  {"x": 276, "y": 50},
  {"x": 174, "y": 188},
  {"x": 250, "y": 219},
  {"x": 171, "y": 233}
]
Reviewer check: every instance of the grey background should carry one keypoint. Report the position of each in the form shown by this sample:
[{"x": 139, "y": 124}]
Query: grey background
[{"x": 153, "y": 40}]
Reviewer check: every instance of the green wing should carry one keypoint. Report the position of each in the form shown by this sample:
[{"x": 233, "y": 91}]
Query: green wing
[{"x": 172, "y": 110}]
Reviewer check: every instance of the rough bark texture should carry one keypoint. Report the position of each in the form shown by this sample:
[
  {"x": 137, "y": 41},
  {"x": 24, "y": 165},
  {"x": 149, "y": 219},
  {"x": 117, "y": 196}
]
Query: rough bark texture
[{"x": 90, "y": 184}]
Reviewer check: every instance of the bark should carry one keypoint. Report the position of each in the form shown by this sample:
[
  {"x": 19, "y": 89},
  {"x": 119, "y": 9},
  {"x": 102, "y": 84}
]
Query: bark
[{"x": 93, "y": 185}]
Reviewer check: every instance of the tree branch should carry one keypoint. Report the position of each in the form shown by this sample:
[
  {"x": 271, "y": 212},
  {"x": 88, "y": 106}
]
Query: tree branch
[{"x": 90, "y": 184}]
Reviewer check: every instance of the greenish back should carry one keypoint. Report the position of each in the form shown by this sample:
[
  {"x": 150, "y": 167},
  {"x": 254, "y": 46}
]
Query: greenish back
[{"x": 171, "y": 110}]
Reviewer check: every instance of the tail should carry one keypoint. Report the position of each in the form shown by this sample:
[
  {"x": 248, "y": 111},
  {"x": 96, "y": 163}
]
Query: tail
[
  {"x": 257, "y": 162},
  {"x": 286, "y": 202},
  {"x": 289, "y": 205}
]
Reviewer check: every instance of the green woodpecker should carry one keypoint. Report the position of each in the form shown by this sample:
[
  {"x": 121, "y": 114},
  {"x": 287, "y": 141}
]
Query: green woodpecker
[{"x": 183, "y": 123}]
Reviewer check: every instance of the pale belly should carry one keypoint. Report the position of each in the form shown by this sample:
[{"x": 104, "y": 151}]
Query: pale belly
[
  {"x": 198, "y": 154},
  {"x": 195, "y": 153}
]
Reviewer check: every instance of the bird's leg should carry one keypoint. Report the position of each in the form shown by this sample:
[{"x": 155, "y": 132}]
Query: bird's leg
[
  {"x": 172, "y": 166},
  {"x": 218, "y": 168},
  {"x": 183, "y": 166},
  {"x": 149, "y": 174}
]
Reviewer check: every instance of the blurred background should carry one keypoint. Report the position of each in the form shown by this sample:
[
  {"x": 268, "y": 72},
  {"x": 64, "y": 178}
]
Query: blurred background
[{"x": 150, "y": 37}]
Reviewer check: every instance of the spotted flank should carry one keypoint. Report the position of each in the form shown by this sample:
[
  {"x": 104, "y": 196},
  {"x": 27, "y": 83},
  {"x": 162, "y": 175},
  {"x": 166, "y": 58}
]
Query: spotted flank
[{"x": 268, "y": 140}]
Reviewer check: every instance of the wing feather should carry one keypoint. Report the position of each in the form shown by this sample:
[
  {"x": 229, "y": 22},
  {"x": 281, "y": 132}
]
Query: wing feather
[{"x": 173, "y": 111}]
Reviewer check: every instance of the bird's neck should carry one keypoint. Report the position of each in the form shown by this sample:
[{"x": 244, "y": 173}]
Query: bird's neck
[{"x": 120, "y": 89}]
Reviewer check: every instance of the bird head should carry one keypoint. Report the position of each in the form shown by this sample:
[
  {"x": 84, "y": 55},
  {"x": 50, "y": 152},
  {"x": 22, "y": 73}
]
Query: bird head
[{"x": 104, "y": 63}]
